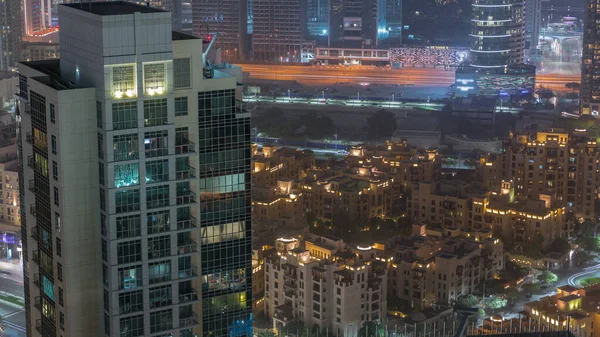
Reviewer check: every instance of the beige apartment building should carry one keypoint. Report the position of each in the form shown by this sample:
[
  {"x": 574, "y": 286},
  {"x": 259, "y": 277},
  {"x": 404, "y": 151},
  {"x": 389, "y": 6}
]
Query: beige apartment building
[
  {"x": 9, "y": 185},
  {"x": 571, "y": 308},
  {"x": 338, "y": 293},
  {"x": 468, "y": 206},
  {"x": 553, "y": 162},
  {"x": 430, "y": 269}
]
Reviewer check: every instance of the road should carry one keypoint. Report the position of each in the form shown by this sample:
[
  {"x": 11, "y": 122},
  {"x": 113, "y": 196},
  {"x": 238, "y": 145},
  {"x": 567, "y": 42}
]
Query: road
[
  {"x": 327, "y": 75},
  {"x": 11, "y": 282}
]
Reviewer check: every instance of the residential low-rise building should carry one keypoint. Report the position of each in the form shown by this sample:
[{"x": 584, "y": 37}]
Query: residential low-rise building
[
  {"x": 571, "y": 308},
  {"x": 552, "y": 162},
  {"x": 339, "y": 293},
  {"x": 438, "y": 269}
]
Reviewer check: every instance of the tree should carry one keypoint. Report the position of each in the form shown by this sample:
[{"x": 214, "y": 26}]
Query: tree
[
  {"x": 574, "y": 86},
  {"x": 371, "y": 329},
  {"x": 317, "y": 126},
  {"x": 547, "y": 277},
  {"x": 497, "y": 303},
  {"x": 467, "y": 301},
  {"x": 533, "y": 248},
  {"x": 266, "y": 333},
  {"x": 382, "y": 124},
  {"x": 531, "y": 287},
  {"x": 511, "y": 294},
  {"x": 587, "y": 228},
  {"x": 560, "y": 245}
]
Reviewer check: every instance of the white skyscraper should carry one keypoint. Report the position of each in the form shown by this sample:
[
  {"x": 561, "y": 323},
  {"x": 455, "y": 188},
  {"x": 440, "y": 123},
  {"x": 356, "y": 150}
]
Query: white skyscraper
[{"x": 117, "y": 213}]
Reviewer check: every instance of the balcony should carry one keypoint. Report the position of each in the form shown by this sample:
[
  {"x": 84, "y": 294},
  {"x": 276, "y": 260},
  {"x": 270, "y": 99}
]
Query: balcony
[
  {"x": 31, "y": 162},
  {"x": 35, "y": 233},
  {"x": 36, "y": 280},
  {"x": 188, "y": 297},
  {"x": 35, "y": 257},
  {"x": 32, "y": 185},
  {"x": 188, "y": 223},
  {"x": 29, "y": 137},
  {"x": 185, "y": 197},
  {"x": 187, "y": 246},
  {"x": 186, "y": 147},
  {"x": 188, "y": 272},
  {"x": 38, "y": 325},
  {"x": 188, "y": 173},
  {"x": 38, "y": 303},
  {"x": 189, "y": 321}
]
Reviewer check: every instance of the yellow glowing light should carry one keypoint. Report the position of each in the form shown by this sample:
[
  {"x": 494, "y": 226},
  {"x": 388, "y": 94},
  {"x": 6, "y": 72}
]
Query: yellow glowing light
[{"x": 118, "y": 94}]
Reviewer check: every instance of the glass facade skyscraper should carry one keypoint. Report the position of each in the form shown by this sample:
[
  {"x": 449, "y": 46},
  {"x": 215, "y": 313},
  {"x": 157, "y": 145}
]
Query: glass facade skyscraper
[
  {"x": 497, "y": 33},
  {"x": 136, "y": 219}
]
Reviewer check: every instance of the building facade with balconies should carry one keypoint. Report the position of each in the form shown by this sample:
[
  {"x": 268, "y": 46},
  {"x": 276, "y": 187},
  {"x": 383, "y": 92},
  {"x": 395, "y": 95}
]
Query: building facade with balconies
[
  {"x": 139, "y": 177},
  {"x": 338, "y": 293}
]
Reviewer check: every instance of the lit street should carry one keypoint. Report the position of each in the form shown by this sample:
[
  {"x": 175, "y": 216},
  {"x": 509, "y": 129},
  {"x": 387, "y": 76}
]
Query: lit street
[
  {"x": 423, "y": 77},
  {"x": 11, "y": 282}
]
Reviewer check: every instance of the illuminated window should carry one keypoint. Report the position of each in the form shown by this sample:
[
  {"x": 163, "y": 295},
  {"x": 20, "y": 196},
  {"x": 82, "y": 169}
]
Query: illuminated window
[
  {"x": 130, "y": 277},
  {"x": 126, "y": 175},
  {"x": 154, "y": 78},
  {"x": 231, "y": 279},
  {"x": 224, "y": 232},
  {"x": 123, "y": 81},
  {"x": 159, "y": 272},
  {"x": 223, "y": 184}
]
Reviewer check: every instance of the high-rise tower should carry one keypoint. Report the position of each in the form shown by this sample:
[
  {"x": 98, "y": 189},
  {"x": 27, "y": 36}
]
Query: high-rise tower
[
  {"x": 134, "y": 182},
  {"x": 590, "y": 82},
  {"x": 497, "y": 33},
  {"x": 11, "y": 35}
]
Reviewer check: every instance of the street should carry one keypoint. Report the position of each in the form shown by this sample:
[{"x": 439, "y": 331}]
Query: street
[
  {"x": 422, "y": 77},
  {"x": 11, "y": 282}
]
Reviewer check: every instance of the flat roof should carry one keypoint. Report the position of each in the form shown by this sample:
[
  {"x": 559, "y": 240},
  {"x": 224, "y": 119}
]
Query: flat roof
[
  {"x": 178, "y": 36},
  {"x": 113, "y": 8}
]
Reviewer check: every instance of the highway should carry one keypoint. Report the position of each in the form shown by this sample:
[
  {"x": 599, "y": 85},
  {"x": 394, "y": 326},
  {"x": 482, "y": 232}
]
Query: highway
[{"x": 327, "y": 75}]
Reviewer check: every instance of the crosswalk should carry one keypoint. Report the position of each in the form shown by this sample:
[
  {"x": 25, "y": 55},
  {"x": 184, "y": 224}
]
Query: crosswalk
[{"x": 11, "y": 325}]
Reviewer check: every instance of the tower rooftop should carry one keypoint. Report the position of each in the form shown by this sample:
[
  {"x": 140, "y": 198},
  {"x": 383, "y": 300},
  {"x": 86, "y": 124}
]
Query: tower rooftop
[{"x": 113, "y": 8}]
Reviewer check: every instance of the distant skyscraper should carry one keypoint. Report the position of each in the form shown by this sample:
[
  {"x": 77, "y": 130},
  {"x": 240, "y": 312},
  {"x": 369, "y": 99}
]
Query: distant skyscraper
[
  {"x": 590, "y": 82},
  {"x": 134, "y": 182},
  {"x": 393, "y": 17},
  {"x": 497, "y": 33},
  {"x": 228, "y": 18},
  {"x": 37, "y": 16},
  {"x": 354, "y": 23},
  {"x": 317, "y": 18},
  {"x": 533, "y": 23},
  {"x": 278, "y": 30},
  {"x": 11, "y": 34}
]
